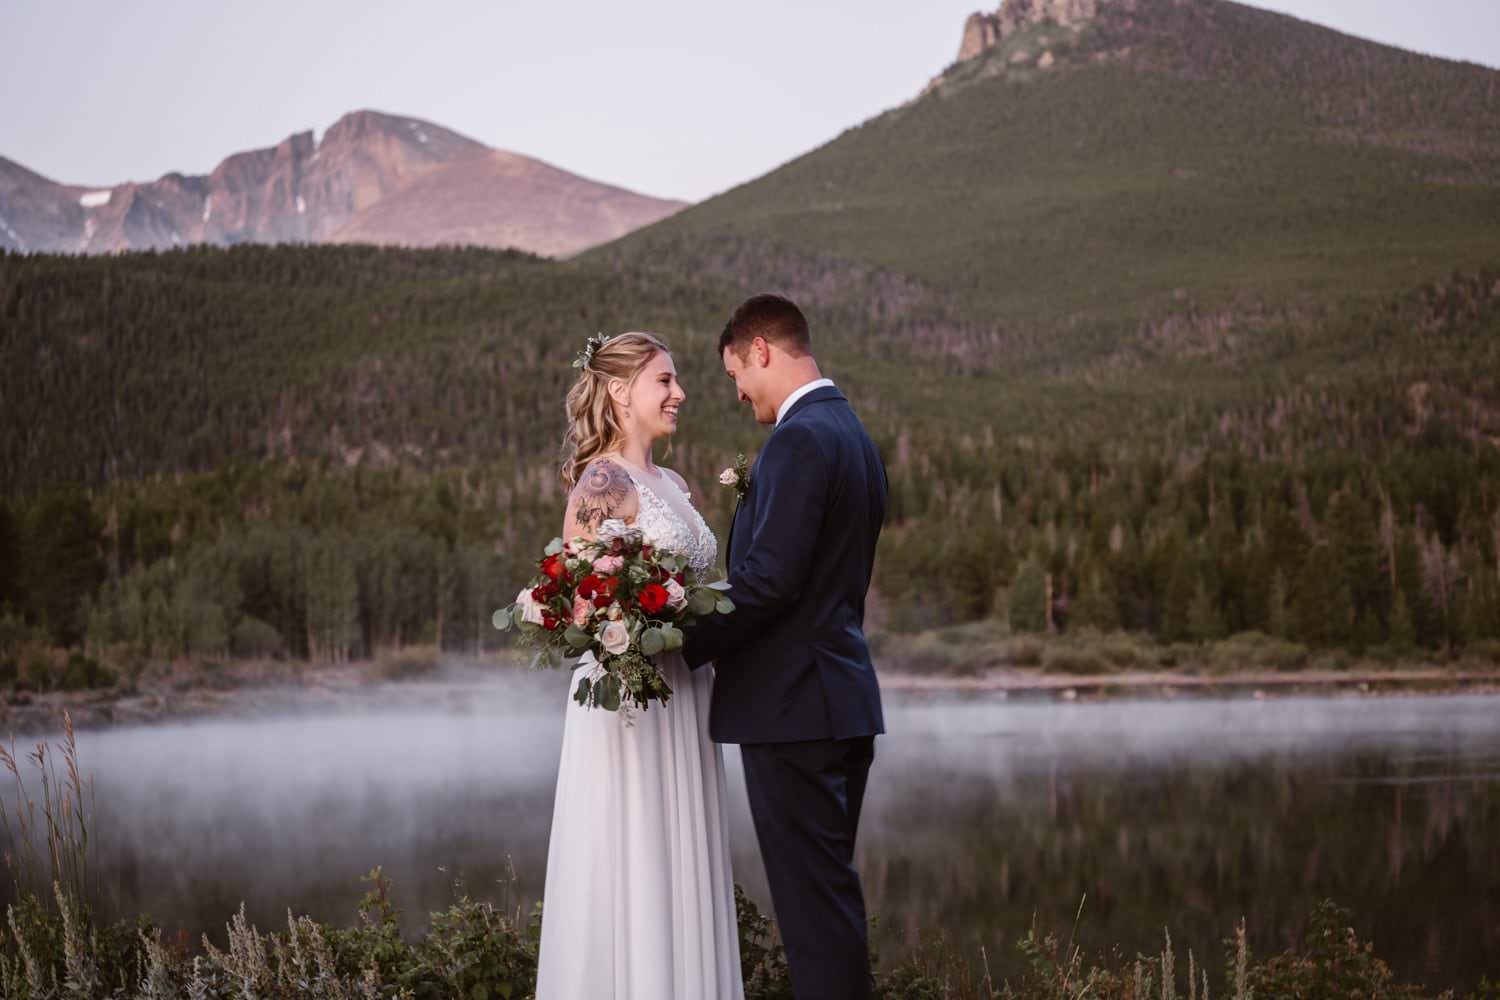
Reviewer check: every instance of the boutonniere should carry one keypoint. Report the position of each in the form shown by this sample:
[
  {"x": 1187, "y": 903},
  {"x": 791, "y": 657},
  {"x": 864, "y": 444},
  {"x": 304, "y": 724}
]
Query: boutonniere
[{"x": 737, "y": 477}]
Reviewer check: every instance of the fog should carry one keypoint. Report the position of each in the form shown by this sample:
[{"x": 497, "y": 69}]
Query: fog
[{"x": 981, "y": 812}]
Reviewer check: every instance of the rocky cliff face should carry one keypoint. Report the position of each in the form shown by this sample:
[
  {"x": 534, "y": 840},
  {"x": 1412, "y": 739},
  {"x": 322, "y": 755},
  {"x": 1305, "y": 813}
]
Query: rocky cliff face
[
  {"x": 333, "y": 190},
  {"x": 985, "y": 31}
]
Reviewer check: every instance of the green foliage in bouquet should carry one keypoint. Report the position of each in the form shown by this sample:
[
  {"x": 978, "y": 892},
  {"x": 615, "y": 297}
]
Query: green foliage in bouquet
[{"x": 612, "y": 604}]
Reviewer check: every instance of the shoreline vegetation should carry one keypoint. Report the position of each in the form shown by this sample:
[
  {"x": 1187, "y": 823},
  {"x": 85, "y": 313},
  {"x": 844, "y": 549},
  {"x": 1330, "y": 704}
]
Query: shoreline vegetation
[
  {"x": 981, "y": 658},
  {"x": 54, "y": 945}
]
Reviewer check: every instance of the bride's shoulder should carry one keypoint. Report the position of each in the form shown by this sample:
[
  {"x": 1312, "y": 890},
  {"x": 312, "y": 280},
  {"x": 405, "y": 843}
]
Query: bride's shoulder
[{"x": 604, "y": 490}]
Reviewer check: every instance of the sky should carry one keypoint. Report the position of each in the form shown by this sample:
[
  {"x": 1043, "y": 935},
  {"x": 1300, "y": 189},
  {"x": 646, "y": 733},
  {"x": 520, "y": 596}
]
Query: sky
[{"x": 674, "y": 98}]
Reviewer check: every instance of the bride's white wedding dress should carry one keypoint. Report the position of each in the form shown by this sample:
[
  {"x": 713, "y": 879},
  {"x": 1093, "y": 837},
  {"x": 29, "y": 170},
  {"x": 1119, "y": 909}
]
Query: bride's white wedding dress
[{"x": 639, "y": 901}]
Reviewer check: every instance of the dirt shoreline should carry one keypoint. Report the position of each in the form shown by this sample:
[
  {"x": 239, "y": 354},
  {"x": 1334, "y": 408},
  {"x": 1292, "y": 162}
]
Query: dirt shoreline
[{"x": 253, "y": 690}]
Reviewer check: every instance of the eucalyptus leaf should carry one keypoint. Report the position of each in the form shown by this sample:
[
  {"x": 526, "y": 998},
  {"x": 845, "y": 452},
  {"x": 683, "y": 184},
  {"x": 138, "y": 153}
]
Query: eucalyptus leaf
[
  {"x": 609, "y": 696},
  {"x": 673, "y": 637},
  {"x": 718, "y": 585},
  {"x": 554, "y": 547},
  {"x": 577, "y": 637},
  {"x": 724, "y": 606},
  {"x": 702, "y": 602},
  {"x": 652, "y": 641},
  {"x": 517, "y": 615},
  {"x": 581, "y": 694},
  {"x": 503, "y": 619}
]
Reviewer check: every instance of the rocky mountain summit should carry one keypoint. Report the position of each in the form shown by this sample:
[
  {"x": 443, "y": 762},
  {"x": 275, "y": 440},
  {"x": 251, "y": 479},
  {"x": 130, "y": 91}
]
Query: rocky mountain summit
[
  {"x": 983, "y": 32},
  {"x": 371, "y": 178}
]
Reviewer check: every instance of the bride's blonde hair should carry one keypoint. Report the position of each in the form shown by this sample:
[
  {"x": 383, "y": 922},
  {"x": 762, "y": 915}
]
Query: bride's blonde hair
[{"x": 593, "y": 426}]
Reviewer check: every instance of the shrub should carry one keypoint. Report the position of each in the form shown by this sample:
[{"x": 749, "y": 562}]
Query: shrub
[
  {"x": 255, "y": 638},
  {"x": 1121, "y": 651},
  {"x": 1024, "y": 653},
  {"x": 1258, "y": 651},
  {"x": 1179, "y": 655},
  {"x": 83, "y": 673},
  {"x": 1335, "y": 660},
  {"x": 407, "y": 663},
  {"x": 1073, "y": 661},
  {"x": 39, "y": 670},
  {"x": 1485, "y": 651}
]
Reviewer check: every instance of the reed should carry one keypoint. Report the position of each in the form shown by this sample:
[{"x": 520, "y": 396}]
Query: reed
[{"x": 53, "y": 946}]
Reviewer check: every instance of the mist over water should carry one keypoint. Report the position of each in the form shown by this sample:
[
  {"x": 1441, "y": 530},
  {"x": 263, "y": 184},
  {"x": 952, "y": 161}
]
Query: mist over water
[{"x": 981, "y": 813}]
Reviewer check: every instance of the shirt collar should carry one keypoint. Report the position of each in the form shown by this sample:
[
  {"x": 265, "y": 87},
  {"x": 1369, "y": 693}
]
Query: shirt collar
[{"x": 798, "y": 393}]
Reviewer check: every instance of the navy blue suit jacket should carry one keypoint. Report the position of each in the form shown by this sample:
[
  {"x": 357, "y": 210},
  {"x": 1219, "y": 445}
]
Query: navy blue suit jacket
[{"x": 791, "y": 662}]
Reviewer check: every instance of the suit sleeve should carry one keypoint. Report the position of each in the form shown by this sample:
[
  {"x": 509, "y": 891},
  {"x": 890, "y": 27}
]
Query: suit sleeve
[{"x": 791, "y": 488}]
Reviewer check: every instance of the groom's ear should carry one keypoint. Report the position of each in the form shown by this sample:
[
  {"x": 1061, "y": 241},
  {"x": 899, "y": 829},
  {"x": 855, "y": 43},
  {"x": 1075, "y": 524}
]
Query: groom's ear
[{"x": 760, "y": 351}]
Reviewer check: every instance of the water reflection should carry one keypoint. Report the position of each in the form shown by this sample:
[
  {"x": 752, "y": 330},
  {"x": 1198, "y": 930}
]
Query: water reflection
[{"x": 981, "y": 814}]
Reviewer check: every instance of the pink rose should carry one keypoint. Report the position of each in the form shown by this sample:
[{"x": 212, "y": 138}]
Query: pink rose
[
  {"x": 615, "y": 638},
  {"x": 608, "y": 564},
  {"x": 581, "y": 609},
  {"x": 676, "y": 596}
]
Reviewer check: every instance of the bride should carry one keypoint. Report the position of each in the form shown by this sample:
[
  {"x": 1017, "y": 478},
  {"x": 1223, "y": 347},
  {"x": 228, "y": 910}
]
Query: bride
[{"x": 639, "y": 901}]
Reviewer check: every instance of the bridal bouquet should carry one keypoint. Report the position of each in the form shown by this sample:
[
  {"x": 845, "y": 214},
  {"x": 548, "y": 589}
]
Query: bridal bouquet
[{"x": 613, "y": 602}]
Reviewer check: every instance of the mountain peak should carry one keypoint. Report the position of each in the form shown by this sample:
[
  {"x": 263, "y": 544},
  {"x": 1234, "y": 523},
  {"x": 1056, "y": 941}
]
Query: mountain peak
[
  {"x": 431, "y": 185},
  {"x": 983, "y": 32}
]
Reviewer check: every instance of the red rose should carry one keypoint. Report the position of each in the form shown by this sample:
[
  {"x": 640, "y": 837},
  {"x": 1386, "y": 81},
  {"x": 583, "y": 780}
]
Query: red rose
[
  {"x": 544, "y": 593},
  {"x": 551, "y": 622},
  {"x": 653, "y": 597},
  {"x": 589, "y": 586},
  {"x": 554, "y": 567},
  {"x": 604, "y": 591}
]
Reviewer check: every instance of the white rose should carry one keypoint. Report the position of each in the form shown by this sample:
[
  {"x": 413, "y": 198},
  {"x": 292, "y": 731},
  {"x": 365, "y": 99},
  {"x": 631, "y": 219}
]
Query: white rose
[
  {"x": 531, "y": 610},
  {"x": 728, "y": 477},
  {"x": 615, "y": 638},
  {"x": 676, "y": 596}
]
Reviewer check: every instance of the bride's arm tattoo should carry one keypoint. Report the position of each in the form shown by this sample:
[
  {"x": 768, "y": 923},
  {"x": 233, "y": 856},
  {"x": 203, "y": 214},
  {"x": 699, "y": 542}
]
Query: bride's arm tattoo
[{"x": 602, "y": 492}]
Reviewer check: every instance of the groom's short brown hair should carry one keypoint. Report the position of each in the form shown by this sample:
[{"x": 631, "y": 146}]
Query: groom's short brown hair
[{"x": 774, "y": 318}]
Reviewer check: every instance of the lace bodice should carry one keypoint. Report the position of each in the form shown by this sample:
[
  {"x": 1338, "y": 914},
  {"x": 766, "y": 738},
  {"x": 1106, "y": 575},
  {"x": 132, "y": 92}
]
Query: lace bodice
[{"x": 664, "y": 527}]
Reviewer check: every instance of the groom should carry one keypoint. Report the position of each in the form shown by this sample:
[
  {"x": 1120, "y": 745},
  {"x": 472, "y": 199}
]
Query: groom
[{"x": 793, "y": 683}]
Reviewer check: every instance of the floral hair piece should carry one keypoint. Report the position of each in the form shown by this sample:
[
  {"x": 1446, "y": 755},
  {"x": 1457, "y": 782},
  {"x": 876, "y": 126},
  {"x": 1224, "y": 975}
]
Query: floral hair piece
[{"x": 586, "y": 355}]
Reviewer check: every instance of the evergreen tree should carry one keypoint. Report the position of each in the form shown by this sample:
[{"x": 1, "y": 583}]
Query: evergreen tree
[
  {"x": 1355, "y": 540},
  {"x": 62, "y": 563},
  {"x": 1028, "y": 598},
  {"x": 1480, "y": 618},
  {"x": 1205, "y": 622},
  {"x": 10, "y": 556},
  {"x": 1323, "y": 613},
  {"x": 1403, "y": 633},
  {"x": 1278, "y": 608},
  {"x": 1427, "y": 626},
  {"x": 1176, "y": 621},
  {"x": 1097, "y": 603}
]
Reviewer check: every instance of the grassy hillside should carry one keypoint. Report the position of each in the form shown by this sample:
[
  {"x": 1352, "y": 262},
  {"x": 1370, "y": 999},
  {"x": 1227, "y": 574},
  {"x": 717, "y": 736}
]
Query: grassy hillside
[
  {"x": 1234, "y": 153},
  {"x": 1193, "y": 329}
]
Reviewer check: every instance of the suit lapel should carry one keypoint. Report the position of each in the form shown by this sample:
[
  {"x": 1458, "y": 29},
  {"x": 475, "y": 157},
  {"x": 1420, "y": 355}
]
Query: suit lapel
[{"x": 820, "y": 395}]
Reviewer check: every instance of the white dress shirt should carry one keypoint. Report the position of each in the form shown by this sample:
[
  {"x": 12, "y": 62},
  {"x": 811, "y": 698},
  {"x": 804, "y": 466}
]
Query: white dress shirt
[{"x": 798, "y": 393}]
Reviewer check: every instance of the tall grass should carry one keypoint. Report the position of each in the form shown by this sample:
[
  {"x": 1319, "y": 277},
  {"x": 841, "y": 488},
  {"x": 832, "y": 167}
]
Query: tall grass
[{"x": 53, "y": 946}]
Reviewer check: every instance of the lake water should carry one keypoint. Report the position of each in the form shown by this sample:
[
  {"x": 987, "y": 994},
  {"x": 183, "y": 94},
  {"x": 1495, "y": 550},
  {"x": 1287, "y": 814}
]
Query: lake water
[{"x": 982, "y": 813}]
